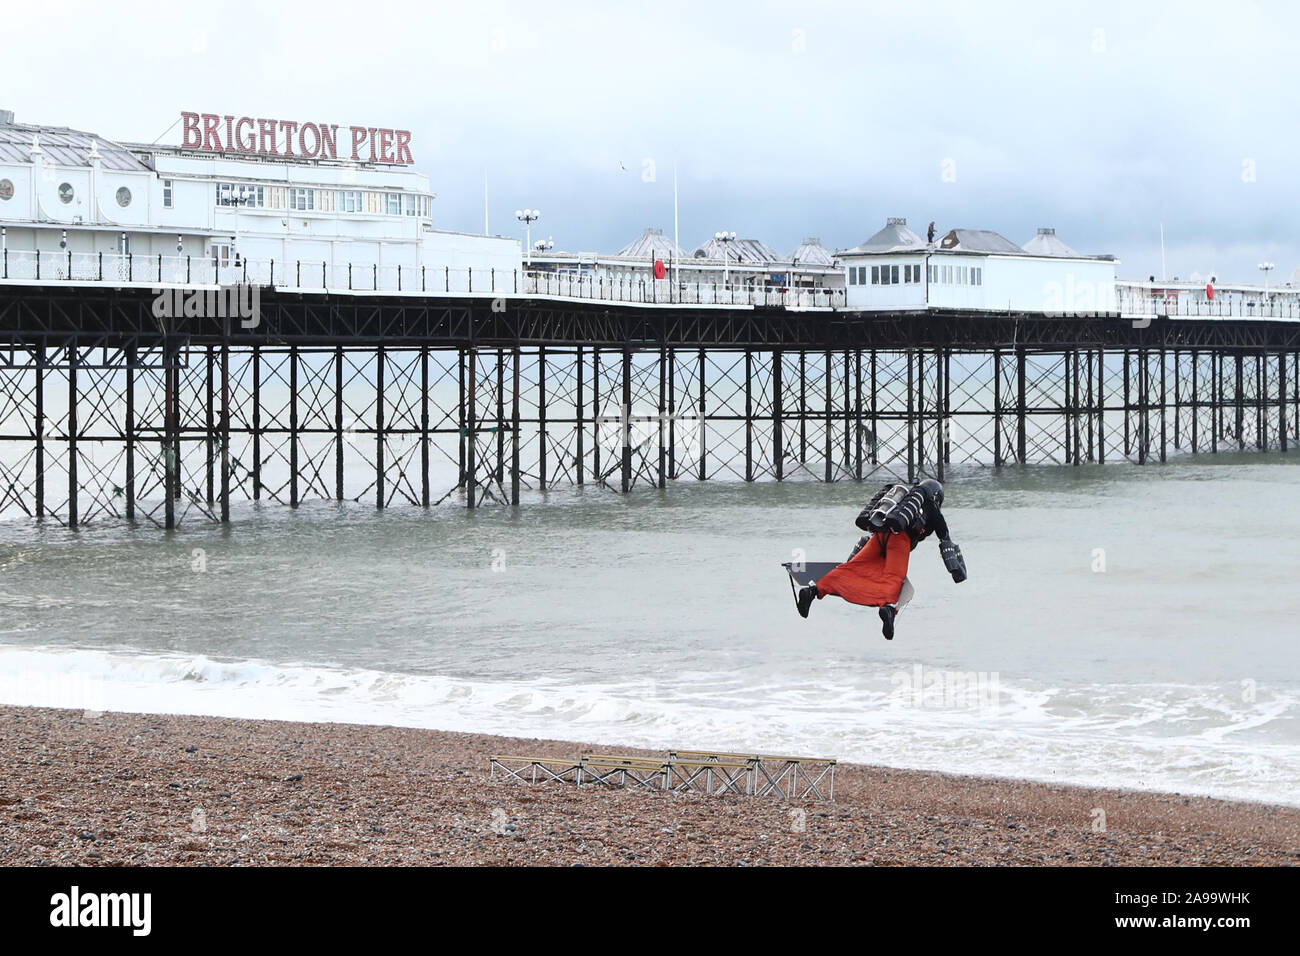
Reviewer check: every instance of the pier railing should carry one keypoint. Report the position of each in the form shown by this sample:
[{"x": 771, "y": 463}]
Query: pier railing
[
  {"x": 1226, "y": 304},
  {"x": 422, "y": 279}
]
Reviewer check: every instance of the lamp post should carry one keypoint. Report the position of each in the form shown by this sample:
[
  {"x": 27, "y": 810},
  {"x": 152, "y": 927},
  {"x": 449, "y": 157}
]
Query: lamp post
[
  {"x": 544, "y": 245},
  {"x": 726, "y": 238},
  {"x": 232, "y": 197},
  {"x": 1266, "y": 268},
  {"x": 528, "y": 217}
]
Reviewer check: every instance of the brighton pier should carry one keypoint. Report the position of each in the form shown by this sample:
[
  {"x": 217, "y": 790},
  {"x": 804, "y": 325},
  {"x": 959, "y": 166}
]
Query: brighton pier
[{"x": 505, "y": 384}]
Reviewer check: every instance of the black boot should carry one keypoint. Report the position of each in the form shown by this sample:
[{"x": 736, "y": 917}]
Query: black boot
[
  {"x": 805, "y": 599},
  {"x": 887, "y": 613}
]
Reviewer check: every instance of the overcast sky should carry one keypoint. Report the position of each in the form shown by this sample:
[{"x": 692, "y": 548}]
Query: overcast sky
[{"x": 785, "y": 119}]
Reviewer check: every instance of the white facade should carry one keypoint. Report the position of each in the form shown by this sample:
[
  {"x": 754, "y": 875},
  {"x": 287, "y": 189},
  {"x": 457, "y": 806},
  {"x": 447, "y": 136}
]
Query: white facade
[
  {"x": 972, "y": 269},
  {"x": 64, "y": 191}
]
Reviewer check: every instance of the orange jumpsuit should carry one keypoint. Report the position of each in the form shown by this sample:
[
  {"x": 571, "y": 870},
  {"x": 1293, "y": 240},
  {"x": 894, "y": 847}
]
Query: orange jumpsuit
[{"x": 874, "y": 576}]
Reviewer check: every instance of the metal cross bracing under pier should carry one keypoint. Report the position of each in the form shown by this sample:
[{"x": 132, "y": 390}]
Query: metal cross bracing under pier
[{"x": 109, "y": 413}]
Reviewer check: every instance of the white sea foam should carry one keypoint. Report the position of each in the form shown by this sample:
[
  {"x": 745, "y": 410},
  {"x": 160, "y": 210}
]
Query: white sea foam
[{"x": 1184, "y": 738}]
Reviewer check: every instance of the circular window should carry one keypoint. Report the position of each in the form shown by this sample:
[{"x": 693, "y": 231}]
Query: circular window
[
  {"x": 124, "y": 197},
  {"x": 6, "y": 190},
  {"x": 65, "y": 192}
]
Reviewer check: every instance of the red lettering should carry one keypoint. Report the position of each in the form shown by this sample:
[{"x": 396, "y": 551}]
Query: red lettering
[
  {"x": 358, "y": 137},
  {"x": 248, "y": 145},
  {"x": 230, "y": 136},
  {"x": 386, "y": 145},
  {"x": 404, "y": 148},
  {"x": 192, "y": 136},
  {"x": 289, "y": 129},
  {"x": 372, "y": 132},
  {"x": 303, "y": 149},
  {"x": 265, "y": 135},
  {"x": 329, "y": 141},
  {"x": 211, "y": 135}
]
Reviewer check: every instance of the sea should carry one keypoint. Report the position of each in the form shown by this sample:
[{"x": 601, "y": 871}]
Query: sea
[{"x": 1122, "y": 625}]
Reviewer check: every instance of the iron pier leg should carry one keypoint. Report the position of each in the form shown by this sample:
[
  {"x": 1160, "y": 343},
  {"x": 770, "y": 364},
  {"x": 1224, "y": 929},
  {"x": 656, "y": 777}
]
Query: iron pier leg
[
  {"x": 514, "y": 425},
  {"x": 703, "y": 442},
  {"x": 997, "y": 408},
  {"x": 749, "y": 415},
  {"x": 471, "y": 439},
  {"x": 293, "y": 426},
  {"x": 379, "y": 427},
  {"x": 72, "y": 433},
  {"x": 778, "y": 444},
  {"x": 132, "y": 359},
  {"x": 424, "y": 426},
  {"x": 40, "y": 431},
  {"x": 338, "y": 423},
  {"x": 225, "y": 426},
  {"x": 541, "y": 417},
  {"x": 1020, "y": 405}
]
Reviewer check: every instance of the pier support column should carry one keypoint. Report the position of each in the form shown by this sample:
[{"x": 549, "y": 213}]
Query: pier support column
[
  {"x": 672, "y": 414},
  {"x": 461, "y": 420},
  {"x": 857, "y": 414},
  {"x": 210, "y": 425},
  {"x": 132, "y": 359},
  {"x": 514, "y": 428},
  {"x": 749, "y": 415},
  {"x": 778, "y": 443},
  {"x": 703, "y": 444},
  {"x": 1164, "y": 404},
  {"x": 997, "y": 408},
  {"x": 541, "y": 418},
  {"x": 595, "y": 415},
  {"x": 72, "y": 433},
  {"x": 1101, "y": 406},
  {"x": 38, "y": 427},
  {"x": 1241, "y": 403},
  {"x": 625, "y": 422},
  {"x": 257, "y": 422},
  {"x": 662, "y": 425},
  {"x": 225, "y": 426},
  {"x": 338, "y": 422},
  {"x": 379, "y": 428},
  {"x": 828, "y": 450},
  {"x": 1196, "y": 401},
  {"x": 470, "y": 428},
  {"x": 803, "y": 407},
  {"x": 580, "y": 406},
  {"x": 293, "y": 425},
  {"x": 424, "y": 426},
  {"x": 1020, "y": 406},
  {"x": 1281, "y": 401}
]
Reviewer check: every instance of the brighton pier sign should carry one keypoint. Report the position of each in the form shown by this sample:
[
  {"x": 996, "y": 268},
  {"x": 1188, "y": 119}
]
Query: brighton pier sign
[{"x": 246, "y": 136}]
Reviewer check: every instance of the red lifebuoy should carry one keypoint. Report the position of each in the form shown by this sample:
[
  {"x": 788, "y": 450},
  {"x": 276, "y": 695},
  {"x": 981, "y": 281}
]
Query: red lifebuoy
[
  {"x": 660, "y": 271},
  {"x": 1209, "y": 290}
]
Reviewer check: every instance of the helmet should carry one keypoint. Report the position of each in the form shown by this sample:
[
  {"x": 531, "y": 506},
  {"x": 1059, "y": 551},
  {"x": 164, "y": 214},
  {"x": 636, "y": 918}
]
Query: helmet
[{"x": 932, "y": 489}]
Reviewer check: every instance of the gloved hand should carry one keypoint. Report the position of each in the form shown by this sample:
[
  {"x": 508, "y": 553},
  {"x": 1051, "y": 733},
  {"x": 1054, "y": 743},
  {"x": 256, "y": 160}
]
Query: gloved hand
[{"x": 952, "y": 560}]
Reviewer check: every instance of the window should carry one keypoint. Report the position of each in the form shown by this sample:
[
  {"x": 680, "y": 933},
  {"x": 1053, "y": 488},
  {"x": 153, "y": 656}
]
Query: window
[
  {"x": 409, "y": 205},
  {"x": 893, "y": 275},
  {"x": 875, "y": 275},
  {"x": 947, "y": 275},
  {"x": 325, "y": 200},
  {"x": 979, "y": 276},
  {"x": 302, "y": 200},
  {"x": 65, "y": 193},
  {"x": 167, "y": 194},
  {"x": 123, "y": 197},
  {"x": 350, "y": 200},
  {"x": 394, "y": 201},
  {"x": 374, "y": 202},
  {"x": 275, "y": 197}
]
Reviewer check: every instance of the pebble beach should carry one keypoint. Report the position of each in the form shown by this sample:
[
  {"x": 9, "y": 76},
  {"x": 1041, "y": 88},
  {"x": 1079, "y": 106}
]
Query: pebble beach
[{"x": 118, "y": 789}]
